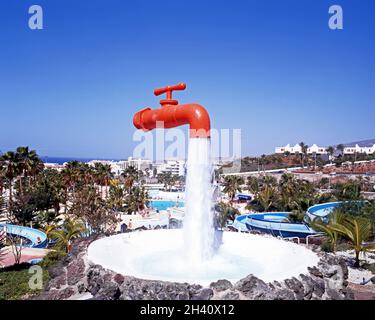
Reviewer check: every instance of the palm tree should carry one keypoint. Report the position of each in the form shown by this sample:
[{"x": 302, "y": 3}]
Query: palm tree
[
  {"x": 130, "y": 174},
  {"x": 341, "y": 148},
  {"x": 10, "y": 163},
  {"x": 287, "y": 183},
  {"x": 232, "y": 184},
  {"x": 168, "y": 179},
  {"x": 29, "y": 165},
  {"x": 304, "y": 148},
  {"x": 71, "y": 174},
  {"x": 369, "y": 213},
  {"x": 269, "y": 180},
  {"x": 116, "y": 196},
  {"x": 252, "y": 184},
  {"x": 357, "y": 231},
  {"x": 263, "y": 161},
  {"x": 288, "y": 188},
  {"x": 224, "y": 212},
  {"x": 336, "y": 218},
  {"x": 71, "y": 229},
  {"x": 330, "y": 151},
  {"x": 102, "y": 174},
  {"x": 70, "y": 178},
  {"x": 49, "y": 229},
  {"x": 267, "y": 197}
]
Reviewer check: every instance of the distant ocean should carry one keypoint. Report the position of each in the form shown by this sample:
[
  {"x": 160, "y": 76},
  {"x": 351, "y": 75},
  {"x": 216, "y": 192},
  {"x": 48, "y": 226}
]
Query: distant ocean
[{"x": 62, "y": 160}]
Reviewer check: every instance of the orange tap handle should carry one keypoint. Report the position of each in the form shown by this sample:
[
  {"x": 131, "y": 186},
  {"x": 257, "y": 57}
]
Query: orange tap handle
[{"x": 169, "y": 89}]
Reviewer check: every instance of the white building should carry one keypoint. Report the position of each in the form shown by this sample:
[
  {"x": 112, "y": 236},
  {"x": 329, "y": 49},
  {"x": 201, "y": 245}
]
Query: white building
[
  {"x": 349, "y": 149},
  {"x": 288, "y": 148},
  {"x": 298, "y": 149},
  {"x": 138, "y": 163},
  {"x": 359, "y": 149},
  {"x": 176, "y": 167},
  {"x": 316, "y": 149},
  {"x": 56, "y": 166}
]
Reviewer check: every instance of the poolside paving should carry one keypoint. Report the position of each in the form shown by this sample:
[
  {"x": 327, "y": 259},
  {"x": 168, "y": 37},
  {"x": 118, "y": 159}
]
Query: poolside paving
[
  {"x": 27, "y": 255},
  {"x": 363, "y": 292}
]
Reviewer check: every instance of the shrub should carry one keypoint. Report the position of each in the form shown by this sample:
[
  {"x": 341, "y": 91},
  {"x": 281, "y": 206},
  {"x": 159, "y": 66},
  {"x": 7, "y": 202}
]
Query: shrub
[
  {"x": 327, "y": 246},
  {"x": 370, "y": 267},
  {"x": 52, "y": 258},
  {"x": 343, "y": 246}
]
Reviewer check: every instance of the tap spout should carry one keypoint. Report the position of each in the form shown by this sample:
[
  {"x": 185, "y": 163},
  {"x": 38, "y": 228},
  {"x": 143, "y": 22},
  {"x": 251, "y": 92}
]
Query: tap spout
[{"x": 170, "y": 116}]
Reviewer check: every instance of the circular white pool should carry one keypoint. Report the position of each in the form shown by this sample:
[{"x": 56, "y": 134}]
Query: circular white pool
[{"x": 159, "y": 255}]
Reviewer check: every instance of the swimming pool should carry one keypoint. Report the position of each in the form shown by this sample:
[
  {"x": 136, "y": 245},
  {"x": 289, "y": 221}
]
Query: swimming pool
[{"x": 165, "y": 204}]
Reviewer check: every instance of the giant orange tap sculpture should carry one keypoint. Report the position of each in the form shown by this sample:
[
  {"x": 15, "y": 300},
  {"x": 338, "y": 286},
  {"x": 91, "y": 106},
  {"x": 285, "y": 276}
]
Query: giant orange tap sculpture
[{"x": 171, "y": 114}]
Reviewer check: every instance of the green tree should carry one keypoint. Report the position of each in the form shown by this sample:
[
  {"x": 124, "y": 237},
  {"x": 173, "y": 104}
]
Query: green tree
[
  {"x": 303, "y": 154},
  {"x": 357, "y": 231},
  {"x": 267, "y": 198},
  {"x": 269, "y": 181},
  {"x": 348, "y": 191},
  {"x": 116, "y": 198},
  {"x": 369, "y": 213},
  {"x": 168, "y": 179},
  {"x": 232, "y": 184},
  {"x": 130, "y": 174},
  {"x": 224, "y": 212},
  {"x": 70, "y": 230},
  {"x": 91, "y": 208},
  {"x": 330, "y": 151},
  {"x": 252, "y": 184},
  {"x": 11, "y": 169},
  {"x": 136, "y": 200},
  {"x": 341, "y": 148},
  {"x": 102, "y": 175},
  {"x": 29, "y": 163},
  {"x": 336, "y": 218},
  {"x": 23, "y": 209},
  {"x": 49, "y": 229}
]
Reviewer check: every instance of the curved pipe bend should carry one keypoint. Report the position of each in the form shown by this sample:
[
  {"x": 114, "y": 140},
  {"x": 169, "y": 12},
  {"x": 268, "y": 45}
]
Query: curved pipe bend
[{"x": 171, "y": 116}]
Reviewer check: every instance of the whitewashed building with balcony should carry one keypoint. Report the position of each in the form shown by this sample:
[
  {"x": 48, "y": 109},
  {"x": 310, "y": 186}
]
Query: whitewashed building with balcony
[
  {"x": 314, "y": 149},
  {"x": 359, "y": 149}
]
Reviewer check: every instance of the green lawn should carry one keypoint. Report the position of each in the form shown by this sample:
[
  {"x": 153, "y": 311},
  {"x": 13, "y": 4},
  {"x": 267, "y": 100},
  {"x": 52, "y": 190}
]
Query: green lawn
[{"x": 14, "y": 280}]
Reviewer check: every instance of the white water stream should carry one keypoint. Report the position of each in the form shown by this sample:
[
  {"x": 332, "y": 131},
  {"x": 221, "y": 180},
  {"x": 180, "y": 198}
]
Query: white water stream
[{"x": 198, "y": 222}]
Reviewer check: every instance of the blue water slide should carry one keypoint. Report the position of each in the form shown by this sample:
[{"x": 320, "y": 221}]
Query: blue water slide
[
  {"x": 323, "y": 210},
  {"x": 277, "y": 224},
  {"x": 37, "y": 238},
  {"x": 274, "y": 223}
]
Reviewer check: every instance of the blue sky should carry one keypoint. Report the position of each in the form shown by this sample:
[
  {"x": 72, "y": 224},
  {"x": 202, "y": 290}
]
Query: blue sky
[{"x": 272, "y": 68}]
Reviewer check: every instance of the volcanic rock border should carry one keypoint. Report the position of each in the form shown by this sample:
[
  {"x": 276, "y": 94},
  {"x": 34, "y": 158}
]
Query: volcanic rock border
[{"x": 74, "y": 277}]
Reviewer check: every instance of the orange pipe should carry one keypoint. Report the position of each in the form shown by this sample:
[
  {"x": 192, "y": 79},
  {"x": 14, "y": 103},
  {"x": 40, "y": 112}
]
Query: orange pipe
[{"x": 172, "y": 115}]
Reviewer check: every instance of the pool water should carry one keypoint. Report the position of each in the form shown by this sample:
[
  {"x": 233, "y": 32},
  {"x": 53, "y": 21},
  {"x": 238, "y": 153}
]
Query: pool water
[{"x": 164, "y": 205}]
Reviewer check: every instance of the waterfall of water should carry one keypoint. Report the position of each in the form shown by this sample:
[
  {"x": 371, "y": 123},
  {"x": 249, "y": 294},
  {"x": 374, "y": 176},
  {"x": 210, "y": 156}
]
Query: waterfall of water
[{"x": 198, "y": 221}]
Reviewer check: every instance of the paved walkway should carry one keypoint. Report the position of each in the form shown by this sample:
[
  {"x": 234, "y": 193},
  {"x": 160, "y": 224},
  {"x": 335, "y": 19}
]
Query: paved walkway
[
  {"x": 27, "y": 255},
  {"x": 363, "y": 292}
]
